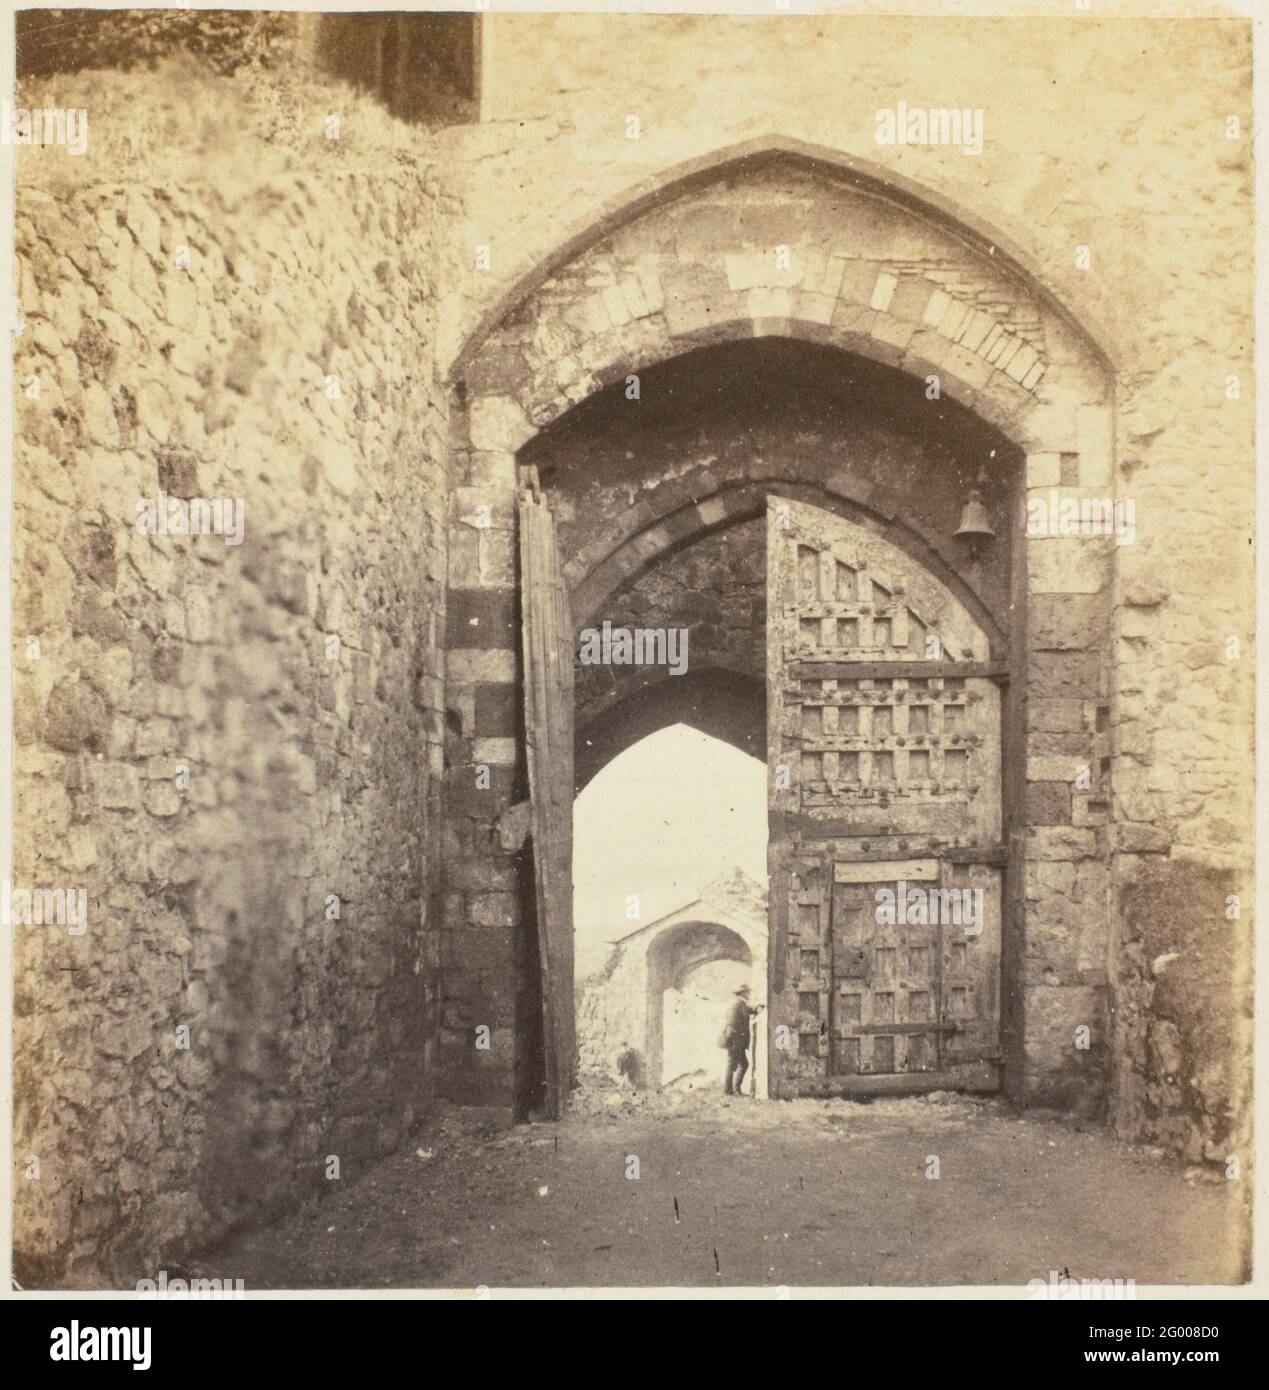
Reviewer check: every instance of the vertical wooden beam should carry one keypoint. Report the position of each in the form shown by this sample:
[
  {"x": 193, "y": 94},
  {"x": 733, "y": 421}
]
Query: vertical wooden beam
[{"x": 547, "y": 639}]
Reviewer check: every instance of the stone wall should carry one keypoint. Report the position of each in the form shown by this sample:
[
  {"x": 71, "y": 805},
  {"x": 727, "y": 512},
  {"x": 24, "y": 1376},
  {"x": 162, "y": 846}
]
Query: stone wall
[{"x": 234, "y": 748}]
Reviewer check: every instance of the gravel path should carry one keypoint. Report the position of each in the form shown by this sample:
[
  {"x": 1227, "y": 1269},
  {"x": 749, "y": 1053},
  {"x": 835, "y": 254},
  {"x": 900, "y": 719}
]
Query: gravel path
[{"x": 745, "y": 1193}]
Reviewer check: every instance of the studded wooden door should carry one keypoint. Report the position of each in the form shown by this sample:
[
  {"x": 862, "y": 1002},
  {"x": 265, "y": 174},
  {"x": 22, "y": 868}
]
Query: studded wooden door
[{"x": 886, "y": 848}]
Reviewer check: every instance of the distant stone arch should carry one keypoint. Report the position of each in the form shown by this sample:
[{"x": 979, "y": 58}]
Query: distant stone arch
[
  {"x": 624, "y": 1004},
  {"x": 675, "y": 951}
]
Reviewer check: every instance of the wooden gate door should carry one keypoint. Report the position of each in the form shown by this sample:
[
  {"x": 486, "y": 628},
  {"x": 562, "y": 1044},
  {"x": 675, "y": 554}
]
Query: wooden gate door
[
  {"x": 886, "y": 850},
  {"x": 547, "y": 642}
]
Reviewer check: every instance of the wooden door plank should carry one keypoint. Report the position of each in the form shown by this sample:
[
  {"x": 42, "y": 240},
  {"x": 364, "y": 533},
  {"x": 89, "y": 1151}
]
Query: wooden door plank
[
  {"x": 547, "y": 645},
  {"x": 892, "y": 670},
  {"x": 873, "y": 793}
]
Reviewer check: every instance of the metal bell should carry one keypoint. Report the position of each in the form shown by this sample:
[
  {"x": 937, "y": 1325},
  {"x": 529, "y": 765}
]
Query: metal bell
[{"x": 974, "y": 520}]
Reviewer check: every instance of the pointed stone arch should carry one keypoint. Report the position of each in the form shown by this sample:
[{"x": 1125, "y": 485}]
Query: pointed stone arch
[
  {"x": 634, "y": 541},
  {"x": 723, "y": 704},
  {"x": 751, "y": 157}
]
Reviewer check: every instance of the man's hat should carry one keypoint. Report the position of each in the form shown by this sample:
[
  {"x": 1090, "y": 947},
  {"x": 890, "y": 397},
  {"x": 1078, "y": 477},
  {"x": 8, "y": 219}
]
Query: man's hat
[{"x": 744, "y": 989}]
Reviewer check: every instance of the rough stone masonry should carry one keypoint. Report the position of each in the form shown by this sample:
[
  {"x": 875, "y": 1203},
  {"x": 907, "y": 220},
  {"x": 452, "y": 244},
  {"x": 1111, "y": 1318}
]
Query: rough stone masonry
[{"x": 363, "y": 310}]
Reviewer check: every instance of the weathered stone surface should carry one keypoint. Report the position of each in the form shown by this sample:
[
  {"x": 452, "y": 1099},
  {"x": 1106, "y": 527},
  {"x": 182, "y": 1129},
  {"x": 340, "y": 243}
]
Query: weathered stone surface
[
  {"x": 1048, "y": 803},
  {"x": 273, "y": 903},
  {"x": 1066, "y": 1025},
  {"x": 77, "y": 718},
  {"x": 1183, "y": 1010}
]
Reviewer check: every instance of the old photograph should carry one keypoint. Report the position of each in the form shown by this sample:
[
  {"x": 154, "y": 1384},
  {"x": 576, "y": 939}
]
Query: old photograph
[{"x": 632, "y": 651}]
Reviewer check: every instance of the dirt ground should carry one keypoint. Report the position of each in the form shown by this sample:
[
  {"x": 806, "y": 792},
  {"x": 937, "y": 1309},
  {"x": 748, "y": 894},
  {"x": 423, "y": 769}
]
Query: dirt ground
[{"x": 755, "y": 1194}]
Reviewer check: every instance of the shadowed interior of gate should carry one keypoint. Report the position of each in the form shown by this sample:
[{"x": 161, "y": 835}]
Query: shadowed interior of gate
[{"x": 661, "y": 503}]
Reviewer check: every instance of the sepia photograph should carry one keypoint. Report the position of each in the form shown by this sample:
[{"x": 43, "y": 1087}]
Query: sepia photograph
[{"x": 632, "y": 664}]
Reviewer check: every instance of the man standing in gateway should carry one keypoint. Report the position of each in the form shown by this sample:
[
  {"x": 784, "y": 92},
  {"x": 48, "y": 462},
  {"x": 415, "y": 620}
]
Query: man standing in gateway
[{"x": 735, "y": 1039}]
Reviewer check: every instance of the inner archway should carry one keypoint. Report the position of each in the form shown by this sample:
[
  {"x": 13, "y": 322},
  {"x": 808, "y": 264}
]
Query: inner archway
[
  {"x": 695, "y": 970},
  {"x": 690, "y": 1013},
  {"x": 670, "y": 843}
]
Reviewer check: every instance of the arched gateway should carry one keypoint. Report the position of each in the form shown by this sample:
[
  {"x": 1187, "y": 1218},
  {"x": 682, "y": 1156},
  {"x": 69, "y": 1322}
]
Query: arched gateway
[{"x": 779, "y": 330}]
